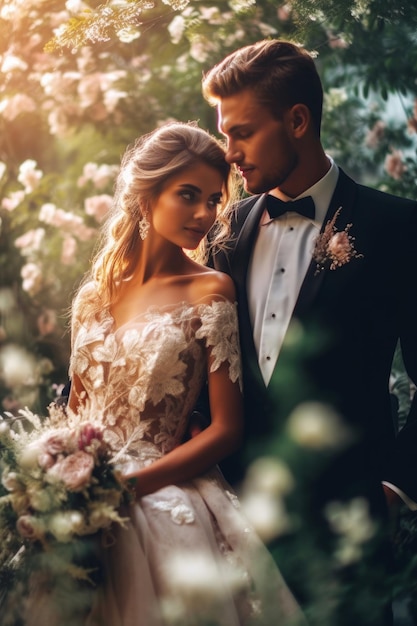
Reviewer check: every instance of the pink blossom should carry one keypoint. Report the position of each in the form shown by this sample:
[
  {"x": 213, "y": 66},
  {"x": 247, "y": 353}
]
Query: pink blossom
[
  {"x": 200, "y": 48},
  {"x": 87, "y": 435},
  {"x": 56, "y": 443},
  {"x": 339, "y": 245},
  {"x": 89, "y": 89},
  {"x": 83, "y": 232},
  {"x": 336, "y": 42},
  {"x": 99, "y": 175},
  {"x": 394, "y": 165},
  {"x": 412, "y": 125},
  {"x": 75, "y": 470},
  {"x": 284, "y": 12},
  {"x": 31, "y": 241},
  {"x": 11, "y": 202},
  {"x": 375, "y": 134},
  {"x": 89, "y": 171},
  {"x": 30, "y": 527},
  {"x": 98, "y": 206},
  {"x": 10, "y": 108},
  {"x": 69, "y": 249},
  {"x": 69, "y": 222}
]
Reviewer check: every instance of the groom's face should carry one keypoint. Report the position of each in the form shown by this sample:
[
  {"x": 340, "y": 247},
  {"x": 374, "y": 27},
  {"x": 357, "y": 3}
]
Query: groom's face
[{"x": 261, "y": 145}]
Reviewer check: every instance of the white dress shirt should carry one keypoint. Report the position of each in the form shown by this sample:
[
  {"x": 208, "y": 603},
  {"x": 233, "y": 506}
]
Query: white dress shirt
[{"x": 278, "y": 265}]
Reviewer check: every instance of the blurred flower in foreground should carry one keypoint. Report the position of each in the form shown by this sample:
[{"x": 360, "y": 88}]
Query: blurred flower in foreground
[
  {"x": 196, "y": 584},
  {"x": 17, "y": 366},
  {"x": 353, "y": 523},
  {"x": 267, "y": 482},
  {"x": 269, "y": 475},
  {"x": 317, "y": 426}
]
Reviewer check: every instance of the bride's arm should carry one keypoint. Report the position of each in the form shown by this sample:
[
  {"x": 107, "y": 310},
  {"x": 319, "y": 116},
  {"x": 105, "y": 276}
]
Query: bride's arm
[
  {"x": 194, "y": 457},
  {"x": 225, "y": 433}
]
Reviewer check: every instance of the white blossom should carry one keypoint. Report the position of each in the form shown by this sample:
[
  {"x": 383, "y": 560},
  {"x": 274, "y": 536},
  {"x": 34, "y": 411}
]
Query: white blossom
[
  {"x": 11, "y": 62},
  {"x": 269, "y": 475},
  {"x": 266, "y": 513},
  {"x": 176, "y": 28},
  {"x": 315, "y": 425},
  {"x": 29, "y": 176},
  {"x": 17, "y": 366},
  {"x": 32, "y": 278},
  {"x": 352, "y": 522}
]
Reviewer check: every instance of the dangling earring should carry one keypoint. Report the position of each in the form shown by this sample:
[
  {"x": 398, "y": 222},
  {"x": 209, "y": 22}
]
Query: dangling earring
[{"x": 144, "y": 226}]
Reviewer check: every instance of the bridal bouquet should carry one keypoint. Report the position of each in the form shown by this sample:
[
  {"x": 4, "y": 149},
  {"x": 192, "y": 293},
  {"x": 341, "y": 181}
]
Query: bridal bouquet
[{"x": 58, "y": 487}]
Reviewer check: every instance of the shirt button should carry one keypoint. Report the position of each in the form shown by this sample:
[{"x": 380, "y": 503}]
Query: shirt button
[
  {"x": 268, "y": 358},
  {"x": 291, "y": 228},
  {"x": 273, "y": 315},
  {"x": 282, "y": 270}
]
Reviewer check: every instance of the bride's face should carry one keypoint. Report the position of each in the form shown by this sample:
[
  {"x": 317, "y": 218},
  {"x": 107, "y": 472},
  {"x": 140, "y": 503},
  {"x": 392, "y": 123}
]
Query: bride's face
[{"x": 186, "y": 208}]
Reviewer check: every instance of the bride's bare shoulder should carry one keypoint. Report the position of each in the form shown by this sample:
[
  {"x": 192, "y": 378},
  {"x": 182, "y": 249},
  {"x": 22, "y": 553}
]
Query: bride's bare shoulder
[{"x": 212, "y": 282}]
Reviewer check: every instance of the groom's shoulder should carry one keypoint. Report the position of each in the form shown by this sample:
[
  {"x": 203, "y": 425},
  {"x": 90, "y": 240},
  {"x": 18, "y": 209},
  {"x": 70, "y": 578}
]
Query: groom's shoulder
[
  {"x": 243, "y": 208},
  {"x": 371, "y": 195}
]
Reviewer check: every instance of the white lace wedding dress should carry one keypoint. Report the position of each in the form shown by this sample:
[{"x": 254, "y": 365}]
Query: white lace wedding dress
[{"x": 187, "y": 556}]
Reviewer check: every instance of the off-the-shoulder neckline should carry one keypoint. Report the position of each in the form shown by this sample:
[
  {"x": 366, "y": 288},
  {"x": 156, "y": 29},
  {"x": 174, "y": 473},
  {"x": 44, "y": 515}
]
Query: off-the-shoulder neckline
[{"x": 172, "y": 309}]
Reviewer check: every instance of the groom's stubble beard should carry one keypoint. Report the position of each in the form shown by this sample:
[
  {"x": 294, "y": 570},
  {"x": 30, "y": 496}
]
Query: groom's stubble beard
[{"x": 273, "y": 180}]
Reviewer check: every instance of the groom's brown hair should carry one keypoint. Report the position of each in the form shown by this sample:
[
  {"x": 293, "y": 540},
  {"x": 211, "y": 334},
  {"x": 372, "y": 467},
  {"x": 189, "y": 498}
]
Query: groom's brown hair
[{"x": 280, "y": 73}]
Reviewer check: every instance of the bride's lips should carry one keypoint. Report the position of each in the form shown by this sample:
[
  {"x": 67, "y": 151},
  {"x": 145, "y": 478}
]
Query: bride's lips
[{"x": 198, "y": 232}]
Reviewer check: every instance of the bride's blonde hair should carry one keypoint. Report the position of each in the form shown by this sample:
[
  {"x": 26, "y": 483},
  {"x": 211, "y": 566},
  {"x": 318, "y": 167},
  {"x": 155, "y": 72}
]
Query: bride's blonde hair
[{"x": 145, "y": 168}]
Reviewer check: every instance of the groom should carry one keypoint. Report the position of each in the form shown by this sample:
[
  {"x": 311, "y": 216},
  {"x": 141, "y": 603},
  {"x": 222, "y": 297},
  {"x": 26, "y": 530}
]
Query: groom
[{"x": 340, "y": 266}]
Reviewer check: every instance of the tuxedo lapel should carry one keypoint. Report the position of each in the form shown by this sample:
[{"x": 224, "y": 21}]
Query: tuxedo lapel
[
  {"x": 245, "y": 243},
  {"x": 239, "y": 263},
  {"x": 342, "y": 199}
]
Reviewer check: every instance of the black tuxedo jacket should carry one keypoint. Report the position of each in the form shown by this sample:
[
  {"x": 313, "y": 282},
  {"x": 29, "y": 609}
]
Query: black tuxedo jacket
[{"x": 352, "y": 318}]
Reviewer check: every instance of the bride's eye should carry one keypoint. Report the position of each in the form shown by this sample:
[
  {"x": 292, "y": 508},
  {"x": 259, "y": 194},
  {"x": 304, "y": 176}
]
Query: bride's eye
[
  {"x": 187, "y": 195},
  {"x": 214, "y": 202}
]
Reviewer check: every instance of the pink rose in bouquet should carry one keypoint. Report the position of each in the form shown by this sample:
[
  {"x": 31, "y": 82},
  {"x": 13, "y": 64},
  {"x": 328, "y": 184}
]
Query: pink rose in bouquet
[{"x": 74, "y": 470}]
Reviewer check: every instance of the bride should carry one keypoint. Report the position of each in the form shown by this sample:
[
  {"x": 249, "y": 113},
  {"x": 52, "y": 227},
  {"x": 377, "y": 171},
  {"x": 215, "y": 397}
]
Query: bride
[{"x": 149, "y": 327}]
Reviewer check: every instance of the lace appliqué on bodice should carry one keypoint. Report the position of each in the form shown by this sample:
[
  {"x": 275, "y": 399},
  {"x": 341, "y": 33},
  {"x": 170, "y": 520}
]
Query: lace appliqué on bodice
[{"x": 143, "y": 379}]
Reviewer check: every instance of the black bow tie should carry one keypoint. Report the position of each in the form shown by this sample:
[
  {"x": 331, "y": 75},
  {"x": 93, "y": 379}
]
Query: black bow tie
[{"x": 303, "y": 206}]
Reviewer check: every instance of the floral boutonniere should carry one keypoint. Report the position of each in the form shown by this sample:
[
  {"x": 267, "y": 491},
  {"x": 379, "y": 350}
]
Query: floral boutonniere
[{"x": 334, "y": 248}]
